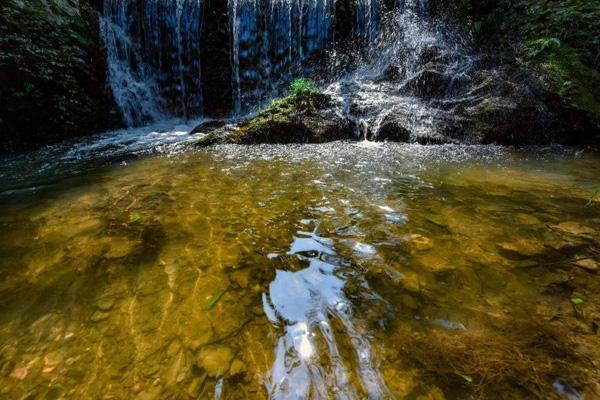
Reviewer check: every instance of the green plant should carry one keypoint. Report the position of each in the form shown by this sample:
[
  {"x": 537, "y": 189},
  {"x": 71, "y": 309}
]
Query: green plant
[
  {"x": 303, "y": 86},
  {"x": 539, "y": 46},
  {"x": 594, "y": 195}
]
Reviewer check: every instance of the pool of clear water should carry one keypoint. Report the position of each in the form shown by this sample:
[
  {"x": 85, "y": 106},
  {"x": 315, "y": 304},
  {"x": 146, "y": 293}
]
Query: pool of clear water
[{"x": 342, "y": 270}]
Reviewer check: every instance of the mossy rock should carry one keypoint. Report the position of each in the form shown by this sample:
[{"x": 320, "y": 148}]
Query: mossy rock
[{"x": 299, "y": 118}]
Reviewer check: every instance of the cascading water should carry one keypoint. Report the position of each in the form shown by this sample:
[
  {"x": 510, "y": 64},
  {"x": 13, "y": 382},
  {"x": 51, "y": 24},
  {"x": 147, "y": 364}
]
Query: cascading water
[
  {"x": 271, "y": 39},
  {"x": 153, "y": 52},
  {"x": 368, "y": 14},
  {"x": 405, "y": 76}
]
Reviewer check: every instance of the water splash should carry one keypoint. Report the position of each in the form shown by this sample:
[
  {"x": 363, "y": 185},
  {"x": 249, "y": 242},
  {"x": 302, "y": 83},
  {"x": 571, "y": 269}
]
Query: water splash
[{"x": 409, "y": 68}]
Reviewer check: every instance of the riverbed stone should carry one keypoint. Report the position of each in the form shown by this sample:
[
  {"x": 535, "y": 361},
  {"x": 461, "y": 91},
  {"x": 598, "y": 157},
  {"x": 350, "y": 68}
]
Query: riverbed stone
[
  {"x": 152, "y": 393},
  {"x": 522, "y": 247},
  {"x": 98, "y": 316},
  {"x": 588, "y": 264},
  {"x": 215, "y": 360},
  {"x": 105, "y": 303},
  {"x": 420, "y": 242},
  {"x": 574, "y": 228},
  {"x": 120, "y": 247},
  {"x": 237, "y": 367}
]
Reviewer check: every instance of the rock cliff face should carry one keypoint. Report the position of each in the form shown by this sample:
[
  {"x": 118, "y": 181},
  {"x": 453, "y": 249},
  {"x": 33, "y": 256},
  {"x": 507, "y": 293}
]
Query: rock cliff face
[
  {"x": 551, "y": 50},
  {"x": 52, "y": 73}
]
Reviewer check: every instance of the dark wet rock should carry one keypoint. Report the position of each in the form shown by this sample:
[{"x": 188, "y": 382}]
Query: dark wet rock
[
  {"x": 402, "y": 125},
  {"x": 427, "y": 83},
  {"x": 392, "y": 73},
  {"x": 209, "y": 126},
  {"x": 510, "y": 107},
  {"x": 307, "y": 118},
  {"x": 392, "y": 129}
]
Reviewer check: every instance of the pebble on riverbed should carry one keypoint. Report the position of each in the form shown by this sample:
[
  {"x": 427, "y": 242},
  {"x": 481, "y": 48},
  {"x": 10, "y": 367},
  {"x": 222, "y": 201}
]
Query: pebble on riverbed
[{"x": 215, "y": 360}]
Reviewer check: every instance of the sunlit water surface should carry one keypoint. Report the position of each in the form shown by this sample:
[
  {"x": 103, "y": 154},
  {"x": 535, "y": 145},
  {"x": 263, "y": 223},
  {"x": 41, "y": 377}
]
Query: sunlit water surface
[{"x": 290, "y": 272}]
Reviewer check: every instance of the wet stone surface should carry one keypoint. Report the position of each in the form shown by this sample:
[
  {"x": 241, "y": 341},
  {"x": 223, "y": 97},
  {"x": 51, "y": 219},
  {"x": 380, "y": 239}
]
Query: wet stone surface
[{"x": 315, "y": 271}]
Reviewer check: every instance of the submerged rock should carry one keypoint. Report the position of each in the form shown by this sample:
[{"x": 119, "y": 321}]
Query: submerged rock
[
  {"x": 574, "y": 228},
  {"x": 215, "y": 360},
  {"x": 521, "y": 248},
  {"x": 587, "y": 264}
]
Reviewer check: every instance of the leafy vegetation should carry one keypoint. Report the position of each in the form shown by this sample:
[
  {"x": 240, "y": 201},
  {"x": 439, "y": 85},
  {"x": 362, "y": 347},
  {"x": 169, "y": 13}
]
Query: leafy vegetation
[
  {"x": 303, "y": 86},
  {"x": 52, "y": 71},
  {"x": 536, "y": 47},
  {"x": 557, "y": 40}
]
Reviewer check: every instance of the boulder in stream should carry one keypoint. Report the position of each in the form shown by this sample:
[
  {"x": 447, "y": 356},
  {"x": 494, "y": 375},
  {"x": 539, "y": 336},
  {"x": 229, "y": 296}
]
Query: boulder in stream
[{"x": 299, "y": 118}]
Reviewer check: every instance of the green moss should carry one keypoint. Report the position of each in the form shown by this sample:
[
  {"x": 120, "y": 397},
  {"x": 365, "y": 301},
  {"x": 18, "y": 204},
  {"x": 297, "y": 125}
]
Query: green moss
[
  {"x": 303, "y": 87},
  {"x": 564, "y": 73},
  {"x": 304, "y": 98}
]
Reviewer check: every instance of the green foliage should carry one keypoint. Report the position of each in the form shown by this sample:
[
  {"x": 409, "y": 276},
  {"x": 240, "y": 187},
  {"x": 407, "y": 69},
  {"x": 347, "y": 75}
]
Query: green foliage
[
  {"x": 595, "y": 195},
  {"x": 52, "y": 70},
  {"x": 536, "y": 47},
  {"x": 560, "y": 44},
  {"x": 573, "y": 22},
  {"x": 303, "y": 86},
  {"x": 562, "y": 71}
]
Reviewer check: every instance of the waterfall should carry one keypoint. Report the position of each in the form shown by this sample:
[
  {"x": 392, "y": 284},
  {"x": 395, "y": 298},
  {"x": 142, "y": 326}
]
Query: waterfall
[
  {"x": 368, "y": 14},
  {"x": 410, "y": 70},
  {"x": 154, "y": 50},
  {"x": 270, "y": 41},
  {"x": 153, "y": 53}
]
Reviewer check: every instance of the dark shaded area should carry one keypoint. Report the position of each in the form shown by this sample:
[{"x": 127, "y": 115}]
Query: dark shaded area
[
  {"x": 52, "y": 73},
  {"x": 216, "y": 56},
  {"x": 551, "y": 49}
]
